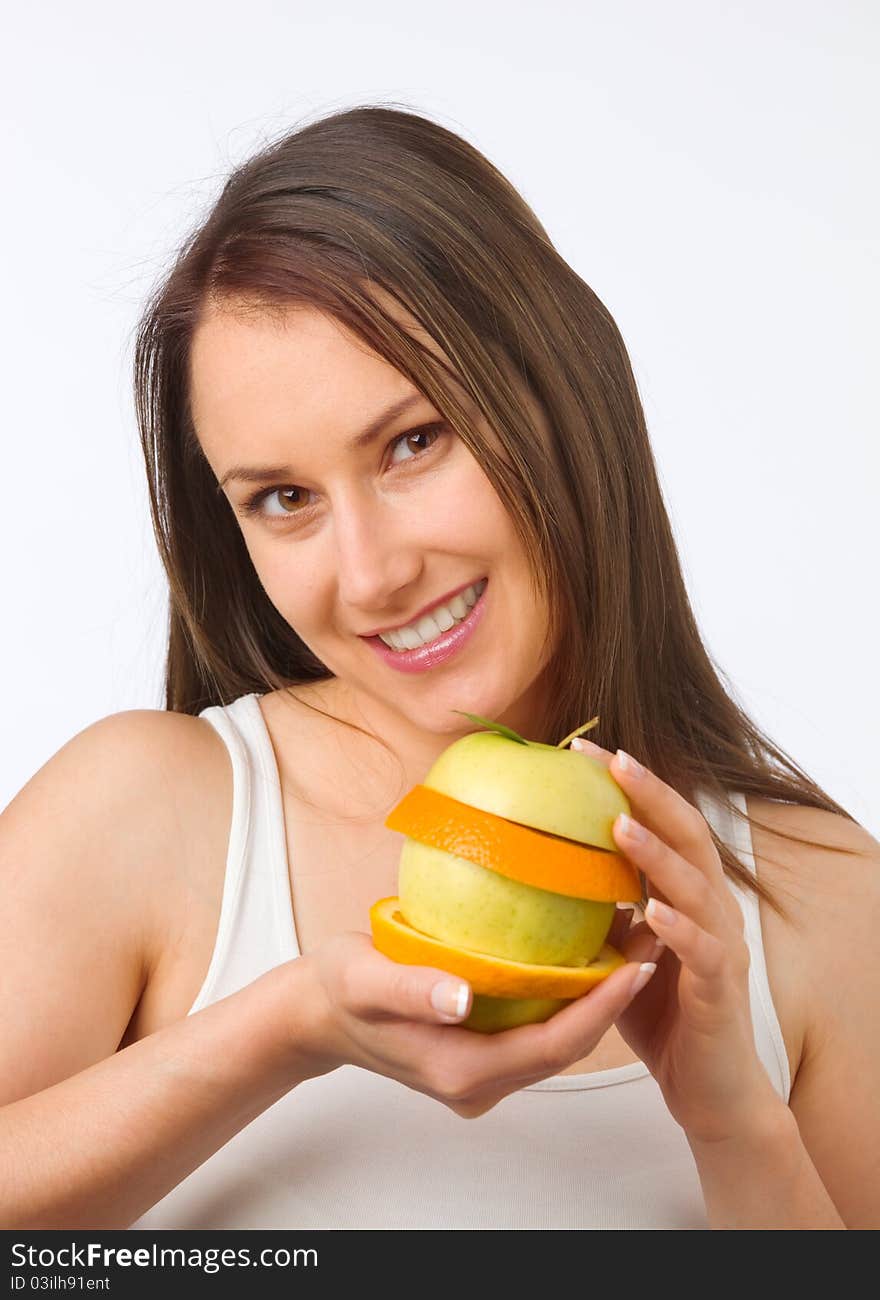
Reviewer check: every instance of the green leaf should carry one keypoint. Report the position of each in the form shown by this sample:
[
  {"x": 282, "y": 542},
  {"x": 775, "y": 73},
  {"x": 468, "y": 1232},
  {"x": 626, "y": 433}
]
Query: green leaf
[{"x": 492, "y": 726}]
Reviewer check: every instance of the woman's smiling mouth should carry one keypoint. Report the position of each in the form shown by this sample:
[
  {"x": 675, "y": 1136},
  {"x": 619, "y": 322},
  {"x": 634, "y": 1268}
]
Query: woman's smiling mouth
[{"x": 433, "y": 638}]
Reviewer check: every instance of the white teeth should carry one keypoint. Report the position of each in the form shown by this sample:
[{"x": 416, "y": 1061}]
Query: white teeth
[
  {"x": 441, "y": 619},
  {"x": 444, "y": 618}
]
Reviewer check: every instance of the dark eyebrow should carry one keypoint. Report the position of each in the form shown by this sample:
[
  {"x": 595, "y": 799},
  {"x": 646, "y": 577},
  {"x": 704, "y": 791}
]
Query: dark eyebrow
[{"x": 257, "y": 473}]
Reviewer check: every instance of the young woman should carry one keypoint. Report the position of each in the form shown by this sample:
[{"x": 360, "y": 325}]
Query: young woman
[{"x": 369, "y": 389}]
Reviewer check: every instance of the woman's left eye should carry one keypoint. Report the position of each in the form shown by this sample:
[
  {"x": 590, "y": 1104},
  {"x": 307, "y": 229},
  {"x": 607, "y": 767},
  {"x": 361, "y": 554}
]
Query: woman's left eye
[
  {"x": 431, "y": 431},
  {"x": 253, "y": 507}
]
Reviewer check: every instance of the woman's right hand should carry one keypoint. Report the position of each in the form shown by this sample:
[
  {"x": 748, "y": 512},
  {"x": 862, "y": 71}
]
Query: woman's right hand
[{"x": 369, "y": 1011}]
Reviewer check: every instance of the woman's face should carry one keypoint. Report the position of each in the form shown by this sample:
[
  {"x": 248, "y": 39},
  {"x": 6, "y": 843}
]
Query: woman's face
[{"x": 348, "y": 539}]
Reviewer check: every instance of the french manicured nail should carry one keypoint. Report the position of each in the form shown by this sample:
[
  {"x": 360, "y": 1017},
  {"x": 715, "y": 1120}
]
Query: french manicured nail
[
  {"x": 646, "y": 970},
  {"x": 585, "y": 746},
  {"x": 450, "y": 998},
  {"x": 629, "y": 765},
  {"x": 657, "y": 911},
  {"x": 659, "y": 945},
  {"x": 631, "y": 829}
]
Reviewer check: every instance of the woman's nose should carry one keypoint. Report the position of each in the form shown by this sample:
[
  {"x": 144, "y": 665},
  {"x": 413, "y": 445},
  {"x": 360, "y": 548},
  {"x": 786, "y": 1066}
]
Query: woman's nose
[{"x": 375, "y": 557}]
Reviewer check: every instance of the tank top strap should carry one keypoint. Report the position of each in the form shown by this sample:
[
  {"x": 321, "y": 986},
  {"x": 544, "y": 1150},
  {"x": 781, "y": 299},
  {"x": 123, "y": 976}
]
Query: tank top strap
[
  {"x": 734, "y": 830},
  {"x": 255, "y": 930}
]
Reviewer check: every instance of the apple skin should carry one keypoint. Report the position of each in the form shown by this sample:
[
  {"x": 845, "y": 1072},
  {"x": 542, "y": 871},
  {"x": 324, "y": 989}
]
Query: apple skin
[
  {"x": 490, "y": 1015},
  {"x": 554, "y": 790},
  {"x": 470, "y": 906}
]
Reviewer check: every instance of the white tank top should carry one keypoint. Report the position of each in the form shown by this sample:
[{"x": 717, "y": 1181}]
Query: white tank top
[{"x": 354, "y": 1149}]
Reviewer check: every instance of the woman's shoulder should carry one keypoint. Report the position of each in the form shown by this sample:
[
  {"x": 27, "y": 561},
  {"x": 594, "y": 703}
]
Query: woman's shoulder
[
  {"x": 187, "y": 796},
  {"x": 170, "y": 778},
  {"x": 179, "y": 783},
  {"x": 826, "y": 896},
  {"x": 92, "y": 848},
  {"x": 810, "y": 869},
  {"x": 129, "y": 769}
]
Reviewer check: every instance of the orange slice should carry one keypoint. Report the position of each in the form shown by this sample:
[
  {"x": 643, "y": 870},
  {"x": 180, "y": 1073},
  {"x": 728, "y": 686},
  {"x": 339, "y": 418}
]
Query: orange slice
[
  {"x": 532, "y": 857},
  {"x": 496, "y": 976}
]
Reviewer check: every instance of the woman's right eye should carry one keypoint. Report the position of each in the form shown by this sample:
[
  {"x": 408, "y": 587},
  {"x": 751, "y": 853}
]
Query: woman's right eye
[{"x": 253, "y": 506}]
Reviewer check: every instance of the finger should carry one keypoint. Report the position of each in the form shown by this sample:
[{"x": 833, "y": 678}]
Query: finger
[
  {"x": 702, "y": 851},
  {"x": 668, "y": 815},
  {"x": 382, "y": 989},
  {"x": 586, "y": 747},
  {"x": 618, "y": 930},
  {"x": 581, "y": 745},
  {"x": 539, "y": 1049},
  {"x": 683, "y": 885},
  {"x": 709, "y": 959}
]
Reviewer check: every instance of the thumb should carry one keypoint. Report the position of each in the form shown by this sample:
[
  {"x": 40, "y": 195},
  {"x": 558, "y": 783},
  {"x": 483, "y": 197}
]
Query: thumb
[
  {"x": 427, "y": 994},
  {"x": 451, "y": 998},
  {"x": 373, "y": 986},
  {"x": 613, "y": 994},
  {"x": 574, "y": 1031}
]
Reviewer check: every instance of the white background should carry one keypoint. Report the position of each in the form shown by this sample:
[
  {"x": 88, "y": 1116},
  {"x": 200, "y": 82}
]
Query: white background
[{"x": 709, "y": 169}]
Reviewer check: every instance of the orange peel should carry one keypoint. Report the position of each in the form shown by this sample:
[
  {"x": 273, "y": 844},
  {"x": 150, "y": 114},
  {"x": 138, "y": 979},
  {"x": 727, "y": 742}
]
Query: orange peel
[
  {"x": 532, "y": 857},
  {"x": 496, "y": 976}
]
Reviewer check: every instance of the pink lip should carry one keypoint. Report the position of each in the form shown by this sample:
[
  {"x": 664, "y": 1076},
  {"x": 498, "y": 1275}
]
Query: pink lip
[{"x": 437, "y": 652}]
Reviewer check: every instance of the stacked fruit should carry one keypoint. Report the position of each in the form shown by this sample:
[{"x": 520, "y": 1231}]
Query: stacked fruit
[{"x": 509, "y": 874}]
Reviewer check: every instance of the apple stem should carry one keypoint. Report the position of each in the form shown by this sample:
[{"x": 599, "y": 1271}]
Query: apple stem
[{"x": 586, "y": 727}]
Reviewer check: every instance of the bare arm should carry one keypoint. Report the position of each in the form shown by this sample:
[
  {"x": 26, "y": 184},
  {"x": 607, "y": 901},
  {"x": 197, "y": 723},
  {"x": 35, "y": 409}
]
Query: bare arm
[
  {"x": 815, "y": 1163},
  {"x": 764, "y": 1179},
  {"x": 91, "y": 1136},
  {"x": 98, "y": 1149}
]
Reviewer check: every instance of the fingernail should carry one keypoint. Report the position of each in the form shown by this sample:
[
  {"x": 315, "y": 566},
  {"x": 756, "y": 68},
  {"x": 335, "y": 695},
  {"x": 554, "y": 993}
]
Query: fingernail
[
  {"x": 585, "y": 746},
  {"x": 629, "y": 764},
  {"x": 659, "y": 945},
  {"x": 646, "y": 970},
  {"x": 632, "y": 829},
  {"x": 450, "y": 998},
  {"x": 657, "y": 911}
]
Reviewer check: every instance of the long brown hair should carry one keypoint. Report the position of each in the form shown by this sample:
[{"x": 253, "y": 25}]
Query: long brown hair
[{"x": 381, "y": 196}]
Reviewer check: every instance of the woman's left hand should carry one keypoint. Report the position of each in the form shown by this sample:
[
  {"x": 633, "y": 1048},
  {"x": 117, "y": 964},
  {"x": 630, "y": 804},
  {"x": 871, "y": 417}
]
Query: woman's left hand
[{"x": 691, "y": 1024}]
